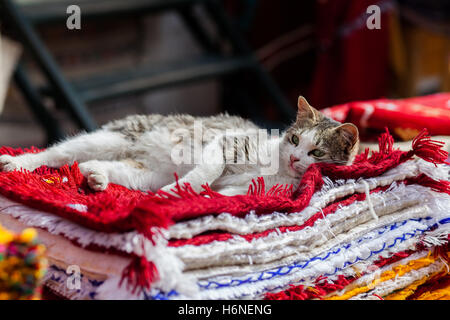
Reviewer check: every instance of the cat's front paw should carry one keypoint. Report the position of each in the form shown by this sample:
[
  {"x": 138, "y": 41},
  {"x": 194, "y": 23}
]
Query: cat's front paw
[
  {"x": 9, "y": 163},
  {"x": 97, "y": 179}
]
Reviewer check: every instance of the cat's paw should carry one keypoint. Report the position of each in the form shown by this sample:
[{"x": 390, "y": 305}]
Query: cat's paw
[
  {"x": 9, "y": 163},
  {"x": 24, "y": 161},
  {"x": 97, "y": 181},
  {"x": 96, "y": 177}
]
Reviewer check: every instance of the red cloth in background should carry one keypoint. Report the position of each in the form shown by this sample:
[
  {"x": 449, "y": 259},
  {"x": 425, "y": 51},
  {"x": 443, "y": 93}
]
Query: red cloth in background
[
  {"x": 352, "y": 61},
  {"x": 404, "y": 117}
]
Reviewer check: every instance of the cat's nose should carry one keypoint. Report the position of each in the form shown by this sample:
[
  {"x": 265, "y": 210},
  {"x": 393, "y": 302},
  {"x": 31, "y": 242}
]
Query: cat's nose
[{"x": 294, "y": 159}]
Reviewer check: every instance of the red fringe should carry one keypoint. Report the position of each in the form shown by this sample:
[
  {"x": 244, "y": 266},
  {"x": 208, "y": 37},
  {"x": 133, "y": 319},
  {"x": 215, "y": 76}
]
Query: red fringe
[
  {"x": 442, "y": 186},
  {"x": 437, "y": 282},
  {"x": 118, "y": 209},
  {"x": 427, "y": 149},
  {"x": 443, "y": 251},
  {"x": 281, "y": 198},
  {"x": 324, "y": 287},
  {"x": 440, "y": 280},
  {"x": 140, "y": 273},
  {"x": 321, "y": 288},
  {"x": 221, "y": 236}
]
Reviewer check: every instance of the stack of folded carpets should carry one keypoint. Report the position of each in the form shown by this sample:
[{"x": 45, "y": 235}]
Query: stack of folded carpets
[{"x": 377, "y": 229}]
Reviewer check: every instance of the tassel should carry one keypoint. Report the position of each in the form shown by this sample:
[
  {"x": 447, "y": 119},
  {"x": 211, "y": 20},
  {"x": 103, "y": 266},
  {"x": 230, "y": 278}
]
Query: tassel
[
  {"x": 385, "y": 148},
  {"x": 257, "y": 188},
  {"x": 442, "y": 186},
  {"x": 385, "y": 142},
  {"x": 147, "y": 222},
  {"x": 140, "y": 273},
  {"x": 362, "y": 156},
  {"x": 261, "y": 187},
  {"x": 252, "y": 188},
  {"x": 207, "y": 191},
  {"x": 427, "y": 149}
]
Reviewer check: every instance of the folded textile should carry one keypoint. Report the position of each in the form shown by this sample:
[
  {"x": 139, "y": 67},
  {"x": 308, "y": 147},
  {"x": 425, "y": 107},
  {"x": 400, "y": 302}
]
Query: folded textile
[
  {"x": 345, "y": 227},
  {"x": 404, "y": 117}
]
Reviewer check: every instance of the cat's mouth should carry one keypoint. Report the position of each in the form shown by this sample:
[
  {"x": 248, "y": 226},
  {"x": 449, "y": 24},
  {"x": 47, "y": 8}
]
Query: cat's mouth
[
  {"x": 296, "y": 167},
  {"x": 293, "y": 167}
]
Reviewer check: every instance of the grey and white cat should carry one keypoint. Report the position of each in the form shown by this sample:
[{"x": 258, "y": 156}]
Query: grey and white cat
[{"x": 137, "y": 151}]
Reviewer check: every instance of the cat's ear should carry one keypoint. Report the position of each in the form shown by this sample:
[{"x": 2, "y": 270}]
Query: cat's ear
[
  {"x": 349, "y": 132},
  {"x": 306, "y": 112}
]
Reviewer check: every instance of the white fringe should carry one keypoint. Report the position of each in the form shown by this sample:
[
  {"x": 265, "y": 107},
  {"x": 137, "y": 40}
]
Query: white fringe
[
  {"x": 400, "y": 282},
  {"x": 398, "y": 203},
  {"x": 345, "y": 224},
  {"x": 331, "y": 191}
]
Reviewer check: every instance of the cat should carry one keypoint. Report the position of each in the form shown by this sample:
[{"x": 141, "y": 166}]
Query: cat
[{"x": 138, "y": 151}]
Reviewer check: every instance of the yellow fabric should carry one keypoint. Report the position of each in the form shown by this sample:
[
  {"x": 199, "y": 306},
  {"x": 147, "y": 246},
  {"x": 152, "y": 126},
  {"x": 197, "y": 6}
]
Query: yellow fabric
[
  {"x": 5, "y": 236},
  {"x": 441, "y": 294},
  {"x": 22, "y": 264},
  {"x": 397, "y": 271},
  {"x": 409, "y": 290}
]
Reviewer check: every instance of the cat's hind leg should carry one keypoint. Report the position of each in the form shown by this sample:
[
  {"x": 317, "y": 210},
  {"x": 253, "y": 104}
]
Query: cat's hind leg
[
  {"x": 211, "y": 168},
  {"x": 101, "y": 144},
  {"x": 100, "y": 173}
]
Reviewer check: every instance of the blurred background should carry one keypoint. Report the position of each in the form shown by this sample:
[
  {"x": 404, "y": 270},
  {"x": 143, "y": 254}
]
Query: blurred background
[{"x": 247, "y": 57}]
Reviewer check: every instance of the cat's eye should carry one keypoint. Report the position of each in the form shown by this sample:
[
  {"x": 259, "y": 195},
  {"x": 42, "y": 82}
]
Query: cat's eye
[
  {"x": 317, "y": 153},
  {"x": 295, "y": 140}
]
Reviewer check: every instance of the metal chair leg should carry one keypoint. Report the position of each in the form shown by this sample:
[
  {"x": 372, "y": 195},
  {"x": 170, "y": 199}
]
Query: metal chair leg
[
  {"x": 65, "y": 92},
  {"x": 198, "y": 31},
  {"x": 51, "y": 126}
]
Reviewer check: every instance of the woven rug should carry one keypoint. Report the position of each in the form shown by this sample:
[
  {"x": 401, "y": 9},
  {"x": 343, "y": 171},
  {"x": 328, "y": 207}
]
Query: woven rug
[{"x": 378, "y": 229}]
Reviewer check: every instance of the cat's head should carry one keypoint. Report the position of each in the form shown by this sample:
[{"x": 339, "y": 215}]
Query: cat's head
[{"x": 316, "y": 138}]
